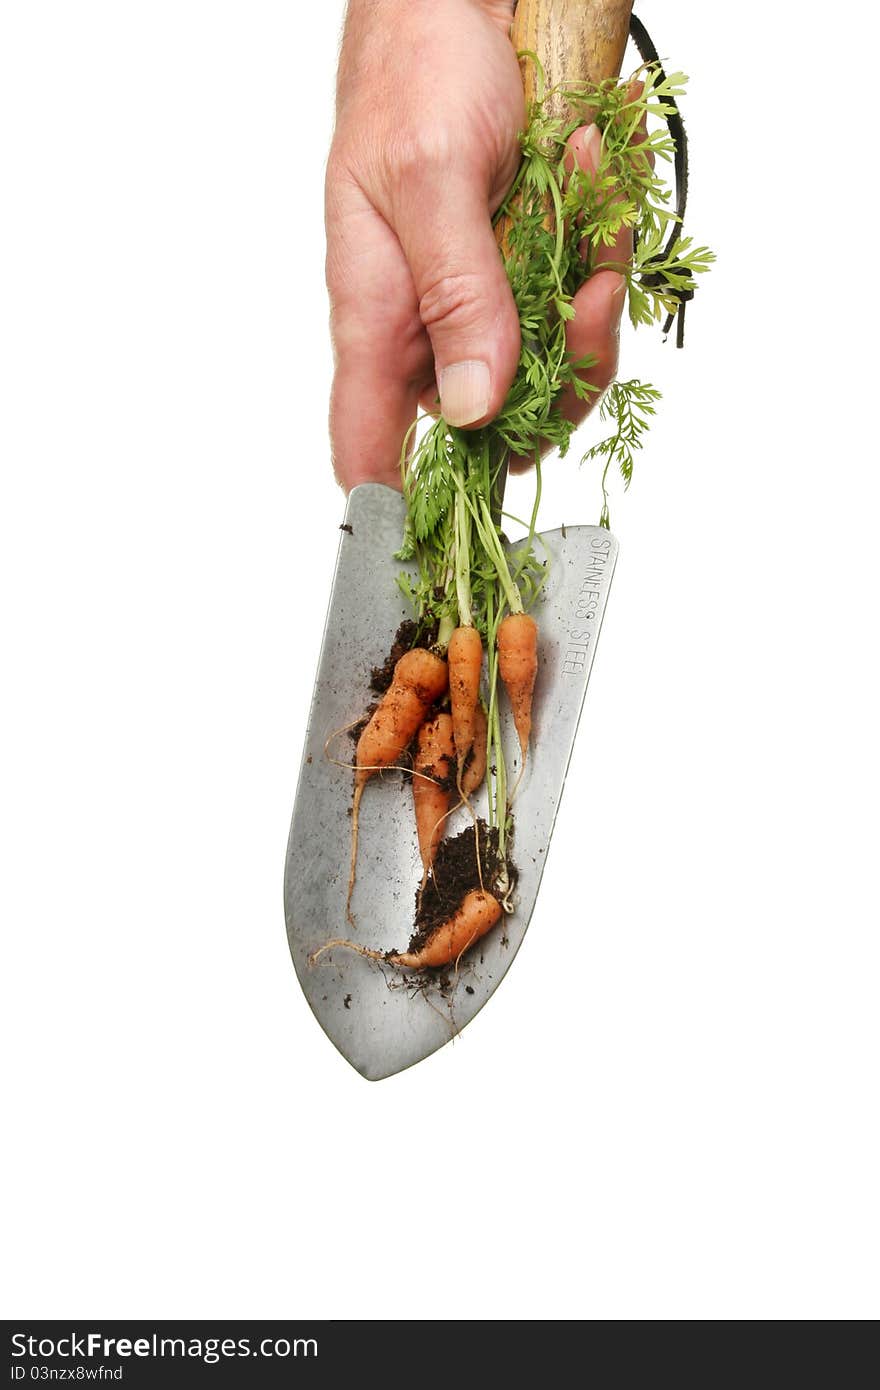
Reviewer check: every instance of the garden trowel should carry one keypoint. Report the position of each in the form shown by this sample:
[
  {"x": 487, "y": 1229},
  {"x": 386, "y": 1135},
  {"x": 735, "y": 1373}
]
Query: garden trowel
[
  {"x": 383, "y": 1019},
  {"x": 379, "y": 1018}
]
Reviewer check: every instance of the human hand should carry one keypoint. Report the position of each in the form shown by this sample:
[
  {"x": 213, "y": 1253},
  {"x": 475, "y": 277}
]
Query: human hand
[{"x": 429, "y": 106}]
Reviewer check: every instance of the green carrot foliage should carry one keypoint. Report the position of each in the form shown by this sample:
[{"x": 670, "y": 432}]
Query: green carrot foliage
[{"x": 559, "y": 226}]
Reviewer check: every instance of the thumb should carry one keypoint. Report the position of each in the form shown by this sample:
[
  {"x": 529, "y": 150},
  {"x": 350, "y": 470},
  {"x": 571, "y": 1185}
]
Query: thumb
[{"x": 465, "y": 300}]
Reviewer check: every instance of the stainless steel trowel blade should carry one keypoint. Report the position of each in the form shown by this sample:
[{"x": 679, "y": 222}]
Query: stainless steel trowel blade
[{"x": 379, "y": 1019}]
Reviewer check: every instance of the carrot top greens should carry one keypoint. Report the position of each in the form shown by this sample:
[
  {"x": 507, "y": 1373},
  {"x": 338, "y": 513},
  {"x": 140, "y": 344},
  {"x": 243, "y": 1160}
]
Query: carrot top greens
[
  {"x": 558, "y": 226},
  {"x": 628, "y": 405}
]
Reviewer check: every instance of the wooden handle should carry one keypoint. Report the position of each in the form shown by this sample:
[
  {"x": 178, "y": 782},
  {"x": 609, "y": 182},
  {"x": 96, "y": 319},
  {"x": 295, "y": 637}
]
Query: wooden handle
[{"x": 577, "y": 41}]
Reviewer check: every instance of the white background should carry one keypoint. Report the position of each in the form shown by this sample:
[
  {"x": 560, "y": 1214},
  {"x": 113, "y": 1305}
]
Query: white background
[{"x": 669, "y": 1110}]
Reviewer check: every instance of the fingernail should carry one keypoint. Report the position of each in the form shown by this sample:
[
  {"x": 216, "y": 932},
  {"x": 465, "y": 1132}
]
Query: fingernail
[
  {"x": 593, "y": 145},
  {"x": 464, "y": 392}
]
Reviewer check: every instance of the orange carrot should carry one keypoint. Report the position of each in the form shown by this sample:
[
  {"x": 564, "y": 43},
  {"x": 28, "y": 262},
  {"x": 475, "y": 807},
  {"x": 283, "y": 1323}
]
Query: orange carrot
[
  {"x": 431, "y": 788},
  {"x": 475, "y": 768},
  {"x": 419, "y": 679},
  {"x": 465, "y": 657},
  {"x": 518, "y": 664},
  {"x": 477, "y": 914}
]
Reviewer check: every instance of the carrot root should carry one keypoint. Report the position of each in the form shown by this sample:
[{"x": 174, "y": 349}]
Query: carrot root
[
  {"x": 420, "y": 678},
  {"x": 430, "y": 784},
  {"x": 355, "y": 814},
  {"x": 465, "y": 657},
  {"x": 518, "y": 666},
  {"x": 349, "y": 946},
  {"x": 471, "y": 776},
  {"x": 477, "y": 914}
]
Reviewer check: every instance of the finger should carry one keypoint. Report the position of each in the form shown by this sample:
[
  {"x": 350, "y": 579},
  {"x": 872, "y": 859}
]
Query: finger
[
  {"x": 465, "y": 302},
  {"x": 499, "y": 10},
  {"x": 598, "y": 305},
  {"x": 584, "y": 153},
  {"x": 620, "y": 250},
  {"x": 594, "y": 332},
  {"x": 429, "y": 399},
  {"x": 382, "y": 354}
]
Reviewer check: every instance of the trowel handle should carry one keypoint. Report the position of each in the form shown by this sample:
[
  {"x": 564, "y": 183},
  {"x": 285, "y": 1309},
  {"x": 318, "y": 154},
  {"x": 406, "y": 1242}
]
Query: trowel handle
[{"x": 576, "y": 41}]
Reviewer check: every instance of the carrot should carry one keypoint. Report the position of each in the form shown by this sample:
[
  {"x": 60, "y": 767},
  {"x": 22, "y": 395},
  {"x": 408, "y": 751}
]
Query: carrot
[
  {"x": 476, "y": 915},
  {"x": 465, "y": 657},
  {"x": 419, "y": 679},
  {"x": 431, "y": 788},
  {"x": 475, "y": 767},
  {"x": 518, "y": 664}
]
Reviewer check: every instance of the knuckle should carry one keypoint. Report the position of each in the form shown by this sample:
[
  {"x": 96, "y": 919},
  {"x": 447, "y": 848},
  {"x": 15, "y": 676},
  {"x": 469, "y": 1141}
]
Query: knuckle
[
  {"x": 429, "y": 146},
  {"x": 451, "y": 298}
]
